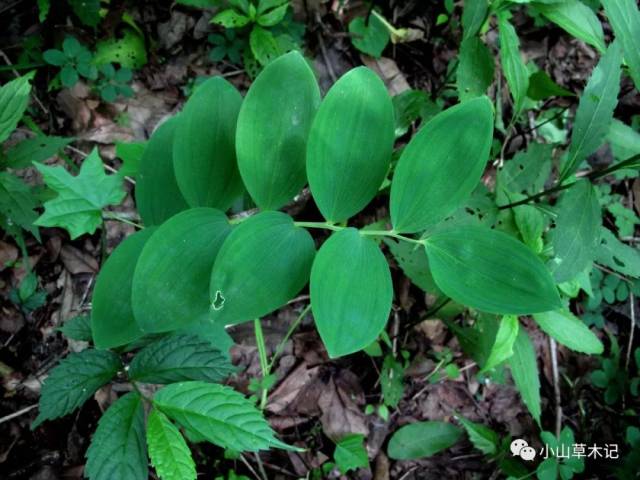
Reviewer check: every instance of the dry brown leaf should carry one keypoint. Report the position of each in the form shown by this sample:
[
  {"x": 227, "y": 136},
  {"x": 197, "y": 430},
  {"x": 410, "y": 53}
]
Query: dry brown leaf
[
  {"x": 388, "y": 70},
  {"x": 340, "y": 405},
  {"x": 298, "y": 393},
  {"x": 76, "y": 261},
  {"x": 8, "y": 254}
]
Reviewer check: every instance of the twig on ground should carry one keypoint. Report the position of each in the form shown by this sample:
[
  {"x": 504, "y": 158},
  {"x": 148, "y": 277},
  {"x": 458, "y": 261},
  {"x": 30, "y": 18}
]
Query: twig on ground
[
  {"x": 325, "y": 58},
  {"x": 251, "y": 469},
  {"x": 632, "y": 327},
  {"x": 17, "y": 414},
  {"x": 553, "y": 346}
]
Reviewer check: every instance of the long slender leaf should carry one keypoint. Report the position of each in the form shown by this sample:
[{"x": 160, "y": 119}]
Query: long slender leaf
[
  {"x": 569, "y": 331},
  {"x": 624, "y": 17},
  {"x": 524, "y": 369},
  {"x": 514, "y": 68}
]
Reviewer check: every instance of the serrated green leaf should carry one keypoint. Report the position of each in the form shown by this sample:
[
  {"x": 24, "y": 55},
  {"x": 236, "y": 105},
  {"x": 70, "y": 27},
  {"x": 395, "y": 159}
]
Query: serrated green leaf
[
  {"x": 541, "y": 87},
  {"x": 171, "y": 278},
  {"x": 514, "y": 68},
  {"x": 369, "y": 37},
  {"x": 118, "y": 448},
  {"x": 351, "y": 292},
  {"x": 273, "y": 126},
  {"x": 577, "y": 233},
  {"x": 74, "y": 381},
  {"x": 78, "y": 206},
  {"x": 524, "y": 370},
  {"x": 263, "y": 264},
  {"x": 69, "y": 76},
  {"x": 169, "y": 452},
  {"x": 78, "y": 328},
  {"x": 14, "y": 98},
  {"x": 158, "y": 197},
  {"x": 55, "y": 57},
  {"x": 264, "y": 45},
  {"x": 17, "y": 205},
  {"x": 474, "y": 15},
  {"x": 178, "y": 358},
  {"x": 624, "y": 17},
  {"x": 616, "y": 255},
  {"x": 577, "y": 19},
  {"x": 482, "y": 437},
  {"x": 528, "y": 170},
  {"x": 112, "y": 319},
  {"x": 350, "y": 453},
  {"x": 475, "y": 69},
  {"x": 569, "y": 331},
  {"x": 391, "y": 381},
  {"x": 422, "y": 439},
  {"x": 219, "y": 414},
  {"x": 595, "y": 110},
  {"x": 490, "y": 271},
  {"x": 502, "y": 348},
  {"x": 204, "y": 157},
  {"x": 426, "y": 185},
  {"x": 350, "y": 144},
  {"x": 37, "y": 149},
  {"x": 230, "y": 19},
  {"x": 274, "y": 16},
  {"x": 129, "y": 50}
]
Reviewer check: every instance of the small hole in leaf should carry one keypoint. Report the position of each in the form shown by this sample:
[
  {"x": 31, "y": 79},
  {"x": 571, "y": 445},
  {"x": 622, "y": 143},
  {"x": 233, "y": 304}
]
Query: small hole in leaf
[
  {"x": 218, "y": 301},
  {"x": 619, "y": 262}
]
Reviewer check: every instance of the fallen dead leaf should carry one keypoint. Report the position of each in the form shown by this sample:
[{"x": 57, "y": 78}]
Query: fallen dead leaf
[
  {"x": 340, "y": 404},
  {"x": 298, "y": 393},
  {"x": 8, "y": 254},
  {"x": 76, "y": 261},
  {"x": 388, "y": 70}
]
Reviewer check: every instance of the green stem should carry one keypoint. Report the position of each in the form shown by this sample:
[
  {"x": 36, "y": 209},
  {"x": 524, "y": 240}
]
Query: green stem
[
  {"x": 282, "y": 343},
  {"x": 262, "y": 355},
  {"x": 371, "y": 233},
  {"x": 115, "y": 216}
]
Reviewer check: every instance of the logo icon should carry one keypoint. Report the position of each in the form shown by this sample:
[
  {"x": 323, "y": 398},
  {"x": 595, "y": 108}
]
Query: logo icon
[{"x": 520, "y": 448}]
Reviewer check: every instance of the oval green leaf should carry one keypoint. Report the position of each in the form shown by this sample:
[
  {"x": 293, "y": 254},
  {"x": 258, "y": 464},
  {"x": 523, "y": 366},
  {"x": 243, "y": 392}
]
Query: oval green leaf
[
  {"x": 350, "y": 144},
  {"x": 171, "y": 279},
  {"x": 263, "y": 264},
  {"x": 112, "y": 319},
  {"x": 428, "y": 183},
  {"x": 273, "y": 126},
  {"x": 422, "y": 439},
  {"x": 351, "y": 292},
  {"x": 569, "y": 331},
  {"x": 490, "y": 271},
  {"x": 157, "y": 194},
  {"x": 204, "y": 155}
]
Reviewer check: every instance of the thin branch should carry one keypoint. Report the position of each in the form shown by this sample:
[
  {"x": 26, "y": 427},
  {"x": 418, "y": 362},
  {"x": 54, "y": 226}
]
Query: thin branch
[
  {"x": 17, "y": 414},
  {"x": 632, "y": 329},
  {"x": 553, "y": 346}
]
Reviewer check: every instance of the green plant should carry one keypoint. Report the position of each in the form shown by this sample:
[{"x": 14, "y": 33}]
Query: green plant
[
  {"x": 114, "y": 83},
  {"x": 74, "y": 60},
  {"x": 260, "y": 30}
]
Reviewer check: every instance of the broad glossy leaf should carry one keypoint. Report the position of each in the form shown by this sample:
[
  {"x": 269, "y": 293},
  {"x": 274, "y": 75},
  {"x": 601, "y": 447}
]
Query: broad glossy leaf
[
  {"x": 490, "y": 271},
  {"x": 595, "y": 110},
  {"x": 171, "y": 278},
  {"x": 263, "y": 264},
  {"x": 502, "y": 348},
  {"x": 37, "y": 149},
  {"x": 273, "y": 126},
  {"x": 569, "y": 331},
  {"x": 350, "y": 144},
  {"x": 131, "y": 155},
  {"x": 112, "y": 319},
  {"x": 204, "y": 156},
  {"x": 14, "y": 98},
  {"x": 474, "y": 14},
  {"x": 427, "y": 185},
  {"x": 74, "y": 381},
  {"x": 178, "y": 358},
  {"x": 351, "y": 292},
  {"x": 475, "y": 69},
  {"x": 370, "y": 37},
  {"x": 219, "y": 414},
  {"x": 514, "y": 68},
  {"x": 524, "y": 370},
  {"x": 230, "y": 19},
  {"x": 350, "y": 453},
  {"x": 624, "y": 17},
  {"x": 80, "y": 200},
  {"x": 118, "y": 448},
  {"x": 157, "y": 194},
  {"x": 577, "y": 19},
  {"x": 168, "y": 450},
  {"x": 422, "y": 439},
  {"x": 576, "y": 235}
]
